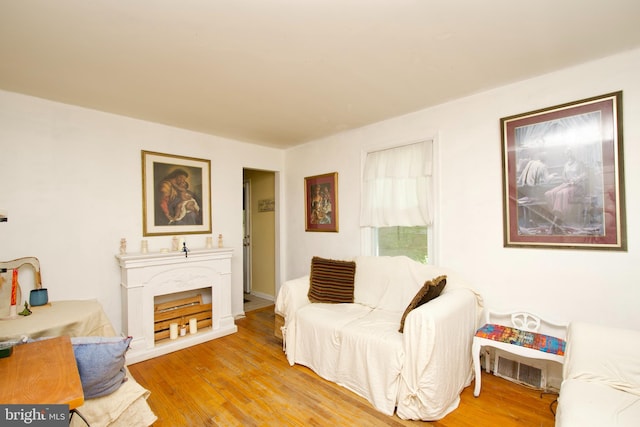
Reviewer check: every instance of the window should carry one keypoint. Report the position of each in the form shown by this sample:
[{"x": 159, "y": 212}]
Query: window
[
  {"x": 396, "y": 200},
  {"x": 396, "y": 240}
]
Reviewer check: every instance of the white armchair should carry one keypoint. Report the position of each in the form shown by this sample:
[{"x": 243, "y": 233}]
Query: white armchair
[{"x": 601, "y": 377}]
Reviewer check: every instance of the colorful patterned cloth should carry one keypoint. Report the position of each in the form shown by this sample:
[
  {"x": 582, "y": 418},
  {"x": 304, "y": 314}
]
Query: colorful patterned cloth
[{"x": 533, "y": 340}]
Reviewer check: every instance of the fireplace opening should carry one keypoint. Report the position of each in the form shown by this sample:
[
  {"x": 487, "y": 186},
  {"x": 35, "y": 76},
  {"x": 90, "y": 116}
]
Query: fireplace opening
[{"x": 189, "y": 311}]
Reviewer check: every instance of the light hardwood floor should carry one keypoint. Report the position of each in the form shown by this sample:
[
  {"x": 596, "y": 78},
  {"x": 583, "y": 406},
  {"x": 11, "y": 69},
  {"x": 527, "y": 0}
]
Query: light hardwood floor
[
  {"x": 244, "y": 380},
  {"x": 253, "y": 302}
]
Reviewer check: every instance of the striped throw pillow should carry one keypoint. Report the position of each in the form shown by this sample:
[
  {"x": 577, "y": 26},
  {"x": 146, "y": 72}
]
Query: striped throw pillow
[{"x": 331, "y": 281}]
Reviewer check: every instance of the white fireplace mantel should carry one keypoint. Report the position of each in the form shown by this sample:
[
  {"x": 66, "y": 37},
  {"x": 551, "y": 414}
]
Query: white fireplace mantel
[{"x": 146, "y": 276}]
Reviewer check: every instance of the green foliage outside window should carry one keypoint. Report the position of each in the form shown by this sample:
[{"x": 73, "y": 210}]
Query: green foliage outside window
[{"x": 408, "y": 241}]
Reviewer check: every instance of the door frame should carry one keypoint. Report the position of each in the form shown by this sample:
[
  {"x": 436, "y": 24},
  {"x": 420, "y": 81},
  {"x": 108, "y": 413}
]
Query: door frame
[{"x": 246, "y": 238}]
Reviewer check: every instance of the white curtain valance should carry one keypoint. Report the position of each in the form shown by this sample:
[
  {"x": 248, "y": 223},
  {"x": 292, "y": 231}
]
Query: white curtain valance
[{"x": 397, "y": 186}]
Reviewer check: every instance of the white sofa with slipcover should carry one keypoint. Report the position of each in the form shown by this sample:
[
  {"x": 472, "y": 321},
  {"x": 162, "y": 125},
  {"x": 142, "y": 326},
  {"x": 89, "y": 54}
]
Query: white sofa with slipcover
[
  {"x": 418, "y": 373},
  {"x": 601, "y": 377}
]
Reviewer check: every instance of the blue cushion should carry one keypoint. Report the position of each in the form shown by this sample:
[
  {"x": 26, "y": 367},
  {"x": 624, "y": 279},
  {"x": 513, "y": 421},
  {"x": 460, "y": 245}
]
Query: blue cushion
[{"x": 100, "y": 363}]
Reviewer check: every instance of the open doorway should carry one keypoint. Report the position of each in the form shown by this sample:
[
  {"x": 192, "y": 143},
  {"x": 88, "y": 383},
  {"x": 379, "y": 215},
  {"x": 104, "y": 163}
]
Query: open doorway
[
  {"x": 246, "y": 237},
  {"x": 259, "y": 239}
]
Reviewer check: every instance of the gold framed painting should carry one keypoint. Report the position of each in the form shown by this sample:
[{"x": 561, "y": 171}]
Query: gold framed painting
[
  {"x": 321, "y": 202},
  {"x": 176, "y": 194}
]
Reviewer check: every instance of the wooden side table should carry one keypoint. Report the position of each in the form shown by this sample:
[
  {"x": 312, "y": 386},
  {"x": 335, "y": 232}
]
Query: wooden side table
[{"x": 41, "y": 372}]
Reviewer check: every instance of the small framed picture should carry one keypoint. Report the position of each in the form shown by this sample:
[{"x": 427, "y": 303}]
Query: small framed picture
[
  {"x": 563, "y": 176},
  {"x": 176, "y": 194},
  {"x": 266, "y": 205},
  {"x": 321, "y": 202}
]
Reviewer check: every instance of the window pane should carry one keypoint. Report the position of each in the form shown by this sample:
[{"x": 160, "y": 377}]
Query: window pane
[{"x": 409, "y": 241}]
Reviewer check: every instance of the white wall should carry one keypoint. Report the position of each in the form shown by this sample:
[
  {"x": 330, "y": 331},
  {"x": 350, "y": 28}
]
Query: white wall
[
  {"x": 72, "y": 183},
  {"x": 596, "y": 286}
]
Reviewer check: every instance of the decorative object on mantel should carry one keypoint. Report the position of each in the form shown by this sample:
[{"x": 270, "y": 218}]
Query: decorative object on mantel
[
  {"x": 123, "y": 246},
  {"x": 209, "y": 242},
  {"x": 26, "y": 311},
  {"x": 144, "y": 247},
  {"x": 220, "y": 243},
  {"x": 175, "y": 244},
  {"x": 185, "y": 249}
]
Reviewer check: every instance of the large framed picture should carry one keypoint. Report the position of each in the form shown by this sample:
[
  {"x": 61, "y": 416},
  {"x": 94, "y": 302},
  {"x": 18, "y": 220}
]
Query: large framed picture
[
  {"x": 176, "y": 194},
  {"x": 321, "y": 202},
  {"x": 563, "y": 176}
]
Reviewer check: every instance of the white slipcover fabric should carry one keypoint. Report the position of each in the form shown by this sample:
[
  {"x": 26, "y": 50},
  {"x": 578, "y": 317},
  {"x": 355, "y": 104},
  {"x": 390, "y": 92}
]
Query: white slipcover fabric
[
  {"x": 586, "y": 404},
  {"x": 422, "y": 371},
  {"x": 319, "y": 326},
  {"x": 438, "y": 363},
  {"x": 601, "y": 377},
  {"x": 371, "y": 358}
]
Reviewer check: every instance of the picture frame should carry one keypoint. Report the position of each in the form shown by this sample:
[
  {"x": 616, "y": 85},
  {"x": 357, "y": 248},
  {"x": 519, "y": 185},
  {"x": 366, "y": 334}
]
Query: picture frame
[
  {"x": 176, "y": 194},
  {"x": 266, "y": 205},
  {"x": 563, "y": 176},
  {"x": 321, "y": 202}
]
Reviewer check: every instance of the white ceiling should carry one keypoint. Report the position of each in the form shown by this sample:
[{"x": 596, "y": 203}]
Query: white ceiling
[{"x": 283, "y": 72}]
